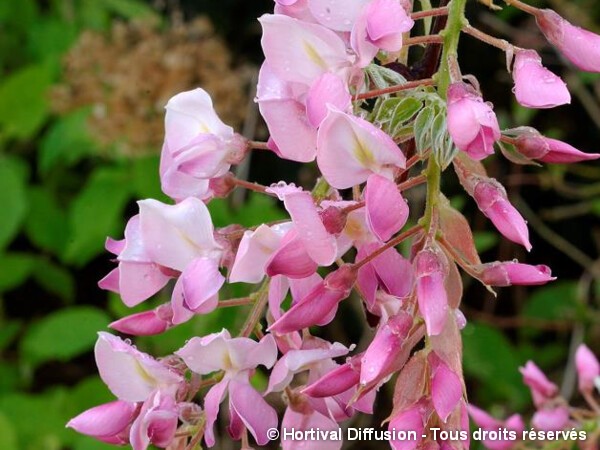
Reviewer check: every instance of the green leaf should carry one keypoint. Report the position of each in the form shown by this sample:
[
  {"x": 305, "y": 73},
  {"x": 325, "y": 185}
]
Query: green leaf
[
  {"x": 383, "y": 77},
  {"x": 12, "y": 198},
  {"x": 89, "y": 393},
  {"x": 23, "y": 102},
  {"x": 422, "y": 128},
  {"x": 131, "y": 9},
  {"x": 46, "y": 223},
  {"x": 9, "y": 378},
  {"x": 67, "y": 141},
  {"x": 39, "y": 420},
  {"x": 15, "y": 268},
  {"x": 63, "y": 335},
  {"x": 8, "y": 332},
  {"x": 97, "y": 213},
  {"x": 50, "y": 36},
  {"x": 491, "y": 359},
  {"x": 55, "y": 279},
  {"x": 557, "y": 301},
  {"x": 8, "y": 435}
]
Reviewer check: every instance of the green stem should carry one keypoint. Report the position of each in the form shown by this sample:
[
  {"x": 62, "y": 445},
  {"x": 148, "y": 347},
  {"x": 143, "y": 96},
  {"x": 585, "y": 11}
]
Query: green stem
[
  {"x": 258, "y": 309},
  {"x": 433, "y": 173},
  {"x": 456, "y": 20}
]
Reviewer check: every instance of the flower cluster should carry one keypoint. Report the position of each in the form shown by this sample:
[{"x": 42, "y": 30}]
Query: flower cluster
[
  {"x": 553, "y": 411},
  {"x": 323, "y": 68}
]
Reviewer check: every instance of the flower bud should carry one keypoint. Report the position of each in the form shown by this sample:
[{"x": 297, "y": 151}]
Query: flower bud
[
  {"x": 492, "y": 201},
  {"x": 535, "y": 146},
  {"x": 431, "y": 269},
  {"x": 542, "y": 389},
  {"x": 511, "y": 273},
  {"x": 588, "y": 368},
  {"x": 581, "y": 47},
  {"x": 536, "y": 86},
  {"x": 471, "y": 122}
]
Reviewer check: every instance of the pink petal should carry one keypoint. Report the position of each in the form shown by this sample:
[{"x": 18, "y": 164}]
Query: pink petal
[
  {"x": 551, "y": 419},
  {"x": 146, "y": 323},
  {"x": 207, "y": 354},
  {"x": 349, "y": 149},
  {"x": 386, "y": 209},
  {"x": 336, "y": 381},
  {"x": 255, "y": 249},
  {"x": 295, "y": 361},
  {"x": 561, "y": 153},
  {"x": 540, "y": 386},
  {"x": 581, "y": 47},
  {"x": 588, "y": 368},
  {"x": 130, "y": 374},
  {"x": 335, "y": 15},
  {"x": 431, "y": 292},
  {"x": 492, "y": 201},
  {"x": 291, "y": 259},
  {"x": 176, "y": 184},
  {"x": 300, "y": 52},
  {"x": 140, "y": 281},
  {"x": 408, "y": 420},
  {"x": 191, "y": 113},
  {"x": 255, "y": 412},
  {"x": 384, "y": 349},
  {"x": 106, "y": 420},
  {"x": 177, "y": 234},
  {"x": 245, "y": 353},
  {"x": 212, "y": 400},
  {"x": 327, "y": 89},
  {"x": 201, "y": 283},
  {"x": 472, "y": 124},
  {"x": 311, "y": 420},
  {"x": 536, "y": 86},
  {"x": 446, "y": 389},
  {"x": 156, "y": 422},
  {"x": 386, "y": 21},
  {"x": 319, "y": 244}
]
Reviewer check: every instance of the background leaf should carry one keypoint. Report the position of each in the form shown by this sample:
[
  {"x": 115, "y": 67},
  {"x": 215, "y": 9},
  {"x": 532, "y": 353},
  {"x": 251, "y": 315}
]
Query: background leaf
[{"x": 63, "y": 334}]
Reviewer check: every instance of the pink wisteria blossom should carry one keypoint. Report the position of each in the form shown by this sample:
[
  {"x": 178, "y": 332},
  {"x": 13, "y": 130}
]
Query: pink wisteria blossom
[
  {"x": 536, "y": 86},
  {"x": 471, "y": 122},
  {"x": 581, "y": 47},
  {"x": 237, "y": 358}
]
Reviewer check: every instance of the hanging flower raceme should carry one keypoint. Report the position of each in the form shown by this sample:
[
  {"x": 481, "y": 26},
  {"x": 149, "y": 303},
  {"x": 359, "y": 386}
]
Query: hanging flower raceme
[{"x": 356, "y": 234}]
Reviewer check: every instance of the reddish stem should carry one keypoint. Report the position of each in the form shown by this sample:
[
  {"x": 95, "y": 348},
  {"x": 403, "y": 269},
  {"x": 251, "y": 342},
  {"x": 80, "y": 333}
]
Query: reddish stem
[
  {"x": 389, "y": 244},
  {"x": 398, "y": 88},
  {"x": 443, "y": 11}
]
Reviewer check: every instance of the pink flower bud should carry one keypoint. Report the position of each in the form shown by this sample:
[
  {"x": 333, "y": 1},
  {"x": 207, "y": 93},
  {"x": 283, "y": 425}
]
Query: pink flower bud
[
  {"x": 319, "y": 306},
  {"x": 146, "y": 323},
  {"x": 512, "y": 273},
  {"x": 581, "y": 47},
  {"x": 535, "y": 146},
  {"x": 471, "y": 122},
  {"x": 536, "y": 86},
  {"x": 337, "y": 381},
  {"x": 431, "y": 269},
  {"x": 542, "y": 389},
  {"x": 334, "y": 219},
  {"x": 552, "y": 419},
  {"x": 108, "y": 422},
  {"x": 385, "y": 349},
  {"x": 492, "y": 201},
  {"x": 588, "y": 368}
]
